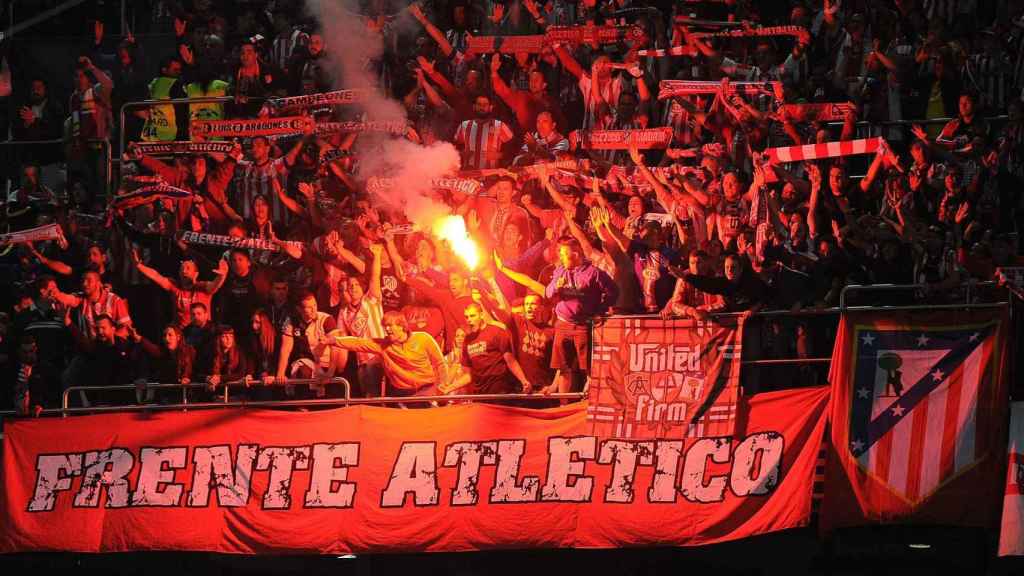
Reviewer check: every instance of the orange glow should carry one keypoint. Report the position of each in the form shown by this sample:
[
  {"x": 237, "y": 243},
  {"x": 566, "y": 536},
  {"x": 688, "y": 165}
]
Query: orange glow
[{"x": 453, "y": 230}]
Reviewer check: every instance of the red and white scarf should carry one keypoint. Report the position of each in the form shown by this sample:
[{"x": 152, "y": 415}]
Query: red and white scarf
[
  {"x": 39, "y": 234},
  {"x": 643, "y": 139},
  {"x": 825, "y": 150},
  {"x": 673, "y": 88}
]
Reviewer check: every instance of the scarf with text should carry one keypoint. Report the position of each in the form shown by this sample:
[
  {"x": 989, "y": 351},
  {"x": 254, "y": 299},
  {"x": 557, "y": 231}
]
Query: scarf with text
[
  {"x": 673, "y": 88},
  {"x": 643, "y": 139},
  {"x": 182, "y": 147},
  {"x": 799, "y": 32},
  {"x": 820, "y": 111},
  {"x": 534, "y": 44},
  {"x": 249, "y": 128},
  {"x": 467, "y": 186},
  {"x": 204, "y": 239},
  {"x": 296, "y": 103}
]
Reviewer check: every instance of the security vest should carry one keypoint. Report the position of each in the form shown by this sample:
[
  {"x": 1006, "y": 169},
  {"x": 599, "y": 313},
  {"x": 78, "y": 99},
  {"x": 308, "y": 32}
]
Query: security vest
[
  {"x": 206, "y": 110},
  {"x": 161, "y": 125}
]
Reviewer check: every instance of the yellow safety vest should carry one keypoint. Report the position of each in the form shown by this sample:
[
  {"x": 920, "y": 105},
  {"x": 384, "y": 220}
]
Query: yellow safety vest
[
  {"x": 162, "y": 125},
  {"x": 206, "y": 110}
]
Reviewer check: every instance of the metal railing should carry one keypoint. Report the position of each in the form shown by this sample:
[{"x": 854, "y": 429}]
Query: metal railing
[
  {"x": 313, "y": 402},
  {"x": 65, "y": 398},
  {"x": 967, "y": 286},
  {"x": 923, "y": 121}
]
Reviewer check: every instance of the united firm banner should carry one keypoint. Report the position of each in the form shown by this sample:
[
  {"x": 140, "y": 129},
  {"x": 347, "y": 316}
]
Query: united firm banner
[
  {"x": 370, "y": 479},
  {"x": 654, "y": 378}
]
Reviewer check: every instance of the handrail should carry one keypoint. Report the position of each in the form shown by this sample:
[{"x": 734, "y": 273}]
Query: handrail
[
  {"x": 385, "y": 400},
  {"x": 163, "y": 386},
  {"x": 196, "y": 100},
  {"x": 911, "y": 122},
  {"x": 897, "y": 287}
]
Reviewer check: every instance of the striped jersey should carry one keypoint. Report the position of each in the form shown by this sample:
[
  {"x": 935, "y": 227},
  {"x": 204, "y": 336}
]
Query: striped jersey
[
  {"x": 481, "y": 141},
  {"x": 363, "y": 321},
  {"x": 253, "y": 179}
]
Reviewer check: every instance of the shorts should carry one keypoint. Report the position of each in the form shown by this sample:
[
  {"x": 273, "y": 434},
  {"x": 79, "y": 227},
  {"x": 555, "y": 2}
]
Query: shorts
[{"x": 571, "y": 348}]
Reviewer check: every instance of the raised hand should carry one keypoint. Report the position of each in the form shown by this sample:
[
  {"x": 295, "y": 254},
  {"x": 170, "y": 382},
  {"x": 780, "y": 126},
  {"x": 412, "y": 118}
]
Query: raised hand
[
  {"x": 222, "y": 267},
  {"x": 186, "y": 54},
  {"x": 814, "y": 175},
  {"x": 426, "y": 65},
  {"x": 635, "y": 155}
]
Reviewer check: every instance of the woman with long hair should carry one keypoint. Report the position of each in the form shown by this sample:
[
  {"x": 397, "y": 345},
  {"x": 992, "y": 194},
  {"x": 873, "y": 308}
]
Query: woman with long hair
[
  {"x": 171, "y": 362},
  {"x": 230, "y": 362},
  {"x": 263, "y": 346}
]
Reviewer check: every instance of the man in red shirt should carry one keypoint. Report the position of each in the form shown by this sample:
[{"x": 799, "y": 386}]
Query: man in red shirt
[
  {"x": 532, "y": 336},
  {"x": 488, "y": 354}
]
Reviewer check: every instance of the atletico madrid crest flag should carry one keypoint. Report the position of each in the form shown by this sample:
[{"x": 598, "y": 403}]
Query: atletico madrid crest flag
[{"x": 918, "y": 419}]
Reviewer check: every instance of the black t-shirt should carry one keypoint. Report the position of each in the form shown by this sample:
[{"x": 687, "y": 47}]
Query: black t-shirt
[
  {"x": 483, "y": 353},
  {"x": 238, "y": 299},
  {"x": 533, "y": 350}
]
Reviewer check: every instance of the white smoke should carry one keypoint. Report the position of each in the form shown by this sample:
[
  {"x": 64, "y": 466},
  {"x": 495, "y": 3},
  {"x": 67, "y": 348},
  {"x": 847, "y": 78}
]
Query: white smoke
[{"x": 351, "y": 46}]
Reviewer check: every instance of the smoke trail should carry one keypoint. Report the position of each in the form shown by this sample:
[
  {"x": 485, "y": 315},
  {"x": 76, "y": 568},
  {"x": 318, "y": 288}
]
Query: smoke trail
[{"x": 351, "y": 46}]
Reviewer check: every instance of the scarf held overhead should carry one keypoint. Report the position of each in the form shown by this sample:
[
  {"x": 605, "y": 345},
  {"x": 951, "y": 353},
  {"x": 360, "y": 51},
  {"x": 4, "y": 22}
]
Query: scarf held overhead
[
  {"x": 534, "y": 44},
  {"x": 824, "y": 150},
  {"x": 148, "y": 195},
  {"x": 673, "y": 88},
  {"x": 183, "y": 147},
  {"x": 294, "y": 103},
  {"x": 643, "y": 139},
  {"x": 39, "y": 234},
  {"x": 249, "y": 128}
]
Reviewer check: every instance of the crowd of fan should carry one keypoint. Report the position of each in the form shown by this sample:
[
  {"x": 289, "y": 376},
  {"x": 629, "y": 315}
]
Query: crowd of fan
[{"x": 350, "y": 289}]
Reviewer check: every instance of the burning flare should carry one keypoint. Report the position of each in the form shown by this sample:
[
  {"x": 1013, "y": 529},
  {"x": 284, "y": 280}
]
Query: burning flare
[{"x": 453, "y": 229}]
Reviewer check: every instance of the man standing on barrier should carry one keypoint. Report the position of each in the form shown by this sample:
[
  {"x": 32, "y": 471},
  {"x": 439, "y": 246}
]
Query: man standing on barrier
[{"x": 582, "y": 291}]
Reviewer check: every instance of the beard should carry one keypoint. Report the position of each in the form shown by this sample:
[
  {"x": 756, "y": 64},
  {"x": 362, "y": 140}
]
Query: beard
[{"x": 36, "y": 99}]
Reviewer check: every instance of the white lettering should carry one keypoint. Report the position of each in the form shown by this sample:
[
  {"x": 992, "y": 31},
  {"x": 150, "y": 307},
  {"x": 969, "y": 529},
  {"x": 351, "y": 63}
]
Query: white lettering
[
  {"x": 53, "y": 474},
  {"x": 566, "y": 481},
  {"x": 328, "y": 485},
  {"x": 150, "y": 489},
  {"x": 415, "y": 471}
]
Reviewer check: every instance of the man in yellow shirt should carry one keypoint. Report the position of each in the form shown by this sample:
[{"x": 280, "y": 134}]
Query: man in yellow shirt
[{"x": 413, "y": 363}]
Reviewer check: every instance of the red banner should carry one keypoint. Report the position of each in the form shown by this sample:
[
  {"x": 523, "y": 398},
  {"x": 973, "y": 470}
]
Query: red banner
[
  {"x": 371, "y": 479},
  {"x": 918, "y": 419},
  {"x": 654, "y": 378}
]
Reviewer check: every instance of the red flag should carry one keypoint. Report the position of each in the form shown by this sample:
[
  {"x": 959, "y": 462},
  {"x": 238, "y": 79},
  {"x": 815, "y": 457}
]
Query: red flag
[{"x": 918, "y": 419}]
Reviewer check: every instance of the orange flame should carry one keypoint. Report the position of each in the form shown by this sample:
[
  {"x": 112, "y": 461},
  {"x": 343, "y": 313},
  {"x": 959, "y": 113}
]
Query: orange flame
[{"x": 453, "y": 229}]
